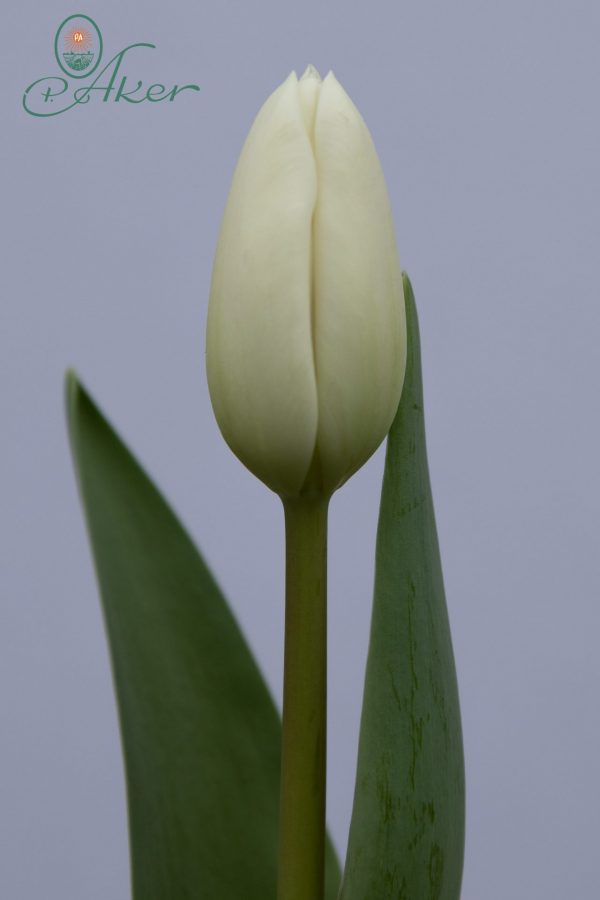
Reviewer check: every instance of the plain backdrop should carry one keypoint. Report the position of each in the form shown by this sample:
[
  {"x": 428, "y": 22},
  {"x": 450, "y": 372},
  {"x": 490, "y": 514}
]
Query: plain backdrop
[{"x": 486, "y": 119}]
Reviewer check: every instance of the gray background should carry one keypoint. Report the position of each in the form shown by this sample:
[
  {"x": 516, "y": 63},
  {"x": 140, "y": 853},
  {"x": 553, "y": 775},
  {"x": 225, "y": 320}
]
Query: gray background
[{"x": 486, "y": 118}]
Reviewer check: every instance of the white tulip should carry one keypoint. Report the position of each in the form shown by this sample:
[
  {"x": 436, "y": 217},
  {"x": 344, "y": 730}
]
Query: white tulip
[{"x": 306, "y": 332}]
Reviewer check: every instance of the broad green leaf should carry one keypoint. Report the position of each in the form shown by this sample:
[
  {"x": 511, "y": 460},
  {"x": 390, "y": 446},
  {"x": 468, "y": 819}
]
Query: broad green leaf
[
  {"x": 407, "y": 831},
  {"x": 201, "y": 736}
]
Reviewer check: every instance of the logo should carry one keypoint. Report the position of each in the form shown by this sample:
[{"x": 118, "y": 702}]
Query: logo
[
  {"x": 77, "y": 44},
  {"x": 78, "y": 48}
]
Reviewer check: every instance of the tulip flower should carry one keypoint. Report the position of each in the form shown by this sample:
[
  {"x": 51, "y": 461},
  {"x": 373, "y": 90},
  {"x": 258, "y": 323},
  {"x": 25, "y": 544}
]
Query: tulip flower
[
  {"x": 306, "y": 333},
  {"x": 305, "y": 353}
]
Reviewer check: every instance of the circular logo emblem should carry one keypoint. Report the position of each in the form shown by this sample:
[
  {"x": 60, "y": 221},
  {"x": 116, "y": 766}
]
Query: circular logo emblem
[{"x": 78, "y": 46}]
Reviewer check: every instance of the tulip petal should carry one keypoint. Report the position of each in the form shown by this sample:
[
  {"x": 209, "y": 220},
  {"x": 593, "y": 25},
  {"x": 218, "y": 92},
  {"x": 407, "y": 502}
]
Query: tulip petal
[
  {"x": 359, "y": 318},
  {"x": 309, "y": 87},
  {"x": 260, "y": 361}
]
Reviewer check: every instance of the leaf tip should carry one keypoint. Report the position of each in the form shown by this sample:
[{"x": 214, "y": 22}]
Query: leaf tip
[
  {"x": 71, "y": 387},
  {"x": 409, "y": 295},
  {"x": 74, "y": 394}
]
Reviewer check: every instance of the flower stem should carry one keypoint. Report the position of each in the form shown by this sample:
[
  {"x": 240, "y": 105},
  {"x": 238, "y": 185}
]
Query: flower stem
[{"x": 303, "y": 756}]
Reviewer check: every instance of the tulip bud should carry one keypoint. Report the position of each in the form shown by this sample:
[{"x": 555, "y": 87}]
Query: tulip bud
[{"x": 306, "y": 332}]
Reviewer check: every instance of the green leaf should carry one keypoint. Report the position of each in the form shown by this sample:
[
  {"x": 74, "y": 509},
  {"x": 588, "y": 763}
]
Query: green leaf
[
  {"x": 201, "y": 735},
  {"x": 407, "y": 832}
]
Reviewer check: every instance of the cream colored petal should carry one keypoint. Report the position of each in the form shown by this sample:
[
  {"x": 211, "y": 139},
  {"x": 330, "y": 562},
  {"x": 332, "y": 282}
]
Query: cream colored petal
[
  {"x": 260, "y": 361},
  {"x": 309, "y": 87},
  {"x": 359, "y": 316}
]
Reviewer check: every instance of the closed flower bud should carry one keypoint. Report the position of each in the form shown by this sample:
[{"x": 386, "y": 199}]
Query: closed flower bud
[{"x": 306, "y": 333}]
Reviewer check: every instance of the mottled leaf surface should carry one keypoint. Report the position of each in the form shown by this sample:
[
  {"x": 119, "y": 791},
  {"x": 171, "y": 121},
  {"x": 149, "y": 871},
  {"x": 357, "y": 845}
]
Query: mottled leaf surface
[{"x": 407, "y": 832}]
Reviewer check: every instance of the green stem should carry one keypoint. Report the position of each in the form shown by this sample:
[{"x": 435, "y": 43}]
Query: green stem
[{"x": 303, "y": 760}]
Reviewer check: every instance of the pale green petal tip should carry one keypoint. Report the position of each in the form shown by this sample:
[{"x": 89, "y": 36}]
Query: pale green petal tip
[{"x": 311, "y": 72}]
